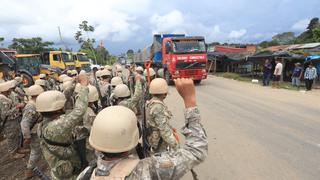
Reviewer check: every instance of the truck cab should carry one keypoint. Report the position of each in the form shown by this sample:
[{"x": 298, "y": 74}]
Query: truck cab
[
  {"x": 28, "y": 65},
  {"x": 184, "y": 57},
  {"x": 81, "y": 61},
  {"x": 58, "y": 59}
]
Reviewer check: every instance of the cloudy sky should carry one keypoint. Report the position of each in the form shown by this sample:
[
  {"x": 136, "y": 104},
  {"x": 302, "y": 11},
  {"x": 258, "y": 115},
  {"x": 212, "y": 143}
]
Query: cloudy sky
[{"x": 125, "y": 24}]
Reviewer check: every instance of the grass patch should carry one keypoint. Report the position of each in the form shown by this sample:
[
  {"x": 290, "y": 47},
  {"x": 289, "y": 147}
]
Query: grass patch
[{"x": 235, "y": 76}]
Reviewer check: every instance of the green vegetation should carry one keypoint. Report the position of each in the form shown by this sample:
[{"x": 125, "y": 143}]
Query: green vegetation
[
  {"x": 311, "y": 35},
  {"x": 33, "y": 45}
]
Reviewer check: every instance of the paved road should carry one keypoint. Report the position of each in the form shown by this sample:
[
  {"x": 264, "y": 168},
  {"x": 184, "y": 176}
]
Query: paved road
[{"x": 256, "y": 132}]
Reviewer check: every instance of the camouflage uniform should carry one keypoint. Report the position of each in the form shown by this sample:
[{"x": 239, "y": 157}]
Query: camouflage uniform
[
  {"x": 88, "y": 119},
  {"x": 70, "y": 96},
  {"x": 133, "y": 102},
  {"x": 160, "y": 136},
  {"x": 29, "y": 122},
  {"x": 9, "y": 115},
  {"x": 165, "y": 165},
  {"x": 51, "y": 84},
  {"x": 57, "y": 140}
]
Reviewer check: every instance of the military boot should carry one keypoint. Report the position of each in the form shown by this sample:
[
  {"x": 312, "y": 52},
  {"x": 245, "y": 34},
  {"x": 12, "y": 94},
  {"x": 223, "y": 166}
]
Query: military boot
[{"x": 28, "y": 174}]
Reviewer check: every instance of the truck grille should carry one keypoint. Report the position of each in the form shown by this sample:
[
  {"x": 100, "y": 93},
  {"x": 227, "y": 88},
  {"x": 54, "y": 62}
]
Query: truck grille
[{"x": 190, "y": 65}]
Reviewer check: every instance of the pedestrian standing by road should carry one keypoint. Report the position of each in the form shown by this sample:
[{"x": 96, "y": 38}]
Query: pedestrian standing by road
[
  {"x": 114, "y": 134},
  {"x": 309, "y": 76},
  {"x": 277, "y": 74},
  {"x": 266, "y": 72},
  {"x": 296, "y": 75}
]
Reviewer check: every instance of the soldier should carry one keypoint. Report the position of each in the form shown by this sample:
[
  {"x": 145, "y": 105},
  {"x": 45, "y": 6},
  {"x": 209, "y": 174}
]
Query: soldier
[
  {"x": 114, "y": 133},
  {"x": 105, "y": 87},
  {"x": 9, "y": 113},
  {"x": 19, "y": 89},
  {"x": 108, "y": 67},
  {"x": 151, "y": 74},
  {"x": 61, "y": 78},
  {"x": 69, "y": 92},
  {"x": 56, "y": 130},
  {"x": 28, "y": 124},
  {"x": 122, "y": 94},
  {"x": 53, "y": 84},
  {"x": 114, "y": 82},
  {"x": 161, "y": 135}
]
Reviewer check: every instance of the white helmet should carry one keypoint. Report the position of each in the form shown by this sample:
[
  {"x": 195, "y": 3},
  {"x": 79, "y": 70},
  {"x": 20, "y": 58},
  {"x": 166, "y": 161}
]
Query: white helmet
[
  {"x": 18, "y": 79},
  {"x": 40, "y": 82},
  {"x": 158, "y": 86},
  {"x": 74, "y": 72},
  {"x": 61, "y": 77},
  {"x": 116, "y": 81},
  {"x": 82, "y": 72},
  {"x": 151, "y": 71},
  {"x": 161, "y": 72},
  {"x": 98, "y": 73},
  {"x": 105, "y": 72},
  {"x": 42, "y": 76},
  {"x": 50, "y": 101},
  {"x": 67, "y": 84},
  {"x": 121, "y": 91},
  {"x": 93, "y": 94},
  {"x": 108, "y": 67},
  {"x": 34, "y": 90},
  {"x": 114, "y": 130},
  {"x": 119, "y": 68},
  {"x": 139, "y": 68},
  {"x": 5, "y": 86},
  {"x": 67, "y": 78}
]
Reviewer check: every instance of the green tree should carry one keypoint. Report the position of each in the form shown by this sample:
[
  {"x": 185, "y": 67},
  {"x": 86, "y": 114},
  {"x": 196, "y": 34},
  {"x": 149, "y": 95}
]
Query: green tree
[
  {"x": 85, "y": 41},
  {"x": 284, "y": 38},
  {"x": 102, "y": 55},
  {"x": 314, "y": 23},
  {"x": 30, "y": 45},
  {"x": 130, "y": 54},
  {"x": 316, "y": 34},
  {"x": 265, "y": 44}
]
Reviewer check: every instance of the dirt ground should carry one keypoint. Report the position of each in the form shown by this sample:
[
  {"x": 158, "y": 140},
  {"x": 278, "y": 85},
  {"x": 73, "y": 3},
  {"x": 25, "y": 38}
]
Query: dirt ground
[{"x": 11, "y": 169}]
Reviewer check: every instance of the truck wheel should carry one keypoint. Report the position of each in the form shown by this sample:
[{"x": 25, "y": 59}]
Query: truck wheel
[
  {"x": 197, "y": 82},
  {"x": 168, "y": 78},
  {"x": 27, "y": 80}
]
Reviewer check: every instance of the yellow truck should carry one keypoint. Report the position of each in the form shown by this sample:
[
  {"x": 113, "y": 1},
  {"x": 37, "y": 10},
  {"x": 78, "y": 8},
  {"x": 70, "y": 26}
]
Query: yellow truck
[
  {"x": 81, "y": 61},
  {"x": 57, "y": 59}
]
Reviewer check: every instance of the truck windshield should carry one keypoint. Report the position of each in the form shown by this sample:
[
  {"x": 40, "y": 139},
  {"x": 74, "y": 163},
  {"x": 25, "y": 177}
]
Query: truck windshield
[
  {"x": 83, "y": 57},
  {"x": 66, "y": 57},
  {"x": 29, "y": 63},
  {"x": 189, "y": 46}
]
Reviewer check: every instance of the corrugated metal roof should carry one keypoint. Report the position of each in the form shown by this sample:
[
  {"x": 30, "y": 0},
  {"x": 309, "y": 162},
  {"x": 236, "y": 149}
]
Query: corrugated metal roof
[{"x": 309, "y": 45}]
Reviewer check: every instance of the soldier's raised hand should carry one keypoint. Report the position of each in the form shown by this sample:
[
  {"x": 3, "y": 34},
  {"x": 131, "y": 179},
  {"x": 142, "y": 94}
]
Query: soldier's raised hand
[
  {"x": 187, "y": 91},
  {"x": 83, "y": 79}
]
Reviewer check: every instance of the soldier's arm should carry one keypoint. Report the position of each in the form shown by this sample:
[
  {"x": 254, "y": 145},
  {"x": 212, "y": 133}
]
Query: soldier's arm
[
  {"x": 175, "y": 164},
  {"x": 27, "y": 121},
  {"x": 137, "y": 95},
  {"x": 161, "y": 120},
  {"x": 75, "y": 116}
]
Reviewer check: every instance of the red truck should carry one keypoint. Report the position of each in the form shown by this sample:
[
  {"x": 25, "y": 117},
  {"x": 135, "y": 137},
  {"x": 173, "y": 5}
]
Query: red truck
[{"x": 180, "y": 56}]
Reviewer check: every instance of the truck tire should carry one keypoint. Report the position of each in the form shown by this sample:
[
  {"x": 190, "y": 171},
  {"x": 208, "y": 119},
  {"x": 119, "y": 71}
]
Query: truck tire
[
  {"x": 197, "y": 82},
  {"x": 167, "y": 77},
  {"x": 27, "y": 80}
]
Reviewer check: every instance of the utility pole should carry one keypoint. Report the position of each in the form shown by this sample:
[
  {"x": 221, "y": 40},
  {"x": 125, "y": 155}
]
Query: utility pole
[{"x": 65, "y": 46}]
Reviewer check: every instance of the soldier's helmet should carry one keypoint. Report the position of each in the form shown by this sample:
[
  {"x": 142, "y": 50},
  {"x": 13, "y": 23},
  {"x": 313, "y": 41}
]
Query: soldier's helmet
[
  {"x": 114, "y": 130},
  {"x": 98, "y": 73},
  {"x": 74, "y": 72},
  {"x": 50, "y": 101},
  {"x": 151, "y": 71},
  {"x": 158, "y": 86},
  {"x": 108, "y": 67},
  {"x": 116, "y": 81},
  {"x": 40, "y": 82},
  {"x": 139, "y": 68},
  {"x": 119, "y": 68},
  {"x": 67, "y": 78},
  {"x": 5, "y": 86},
  {"x": 34, "y": 90},
  {"x": 93, "y": 94},
  {"x": 42, "y": 76},
  {"x": 18, "y": 79},
  {"x": 69, "y": 72},
  {"x": 105, "y": 72},
  {"x": 67, "y": 84},
  {"x": 161, "y": 72},
  {"x": 61, "y": 77},
  {"x": 121, "y": 91},
  {"x": 82, "y": 72}
]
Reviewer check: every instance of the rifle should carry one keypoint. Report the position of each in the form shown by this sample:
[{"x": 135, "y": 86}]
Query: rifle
[{"x": 40, "y": 174}]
